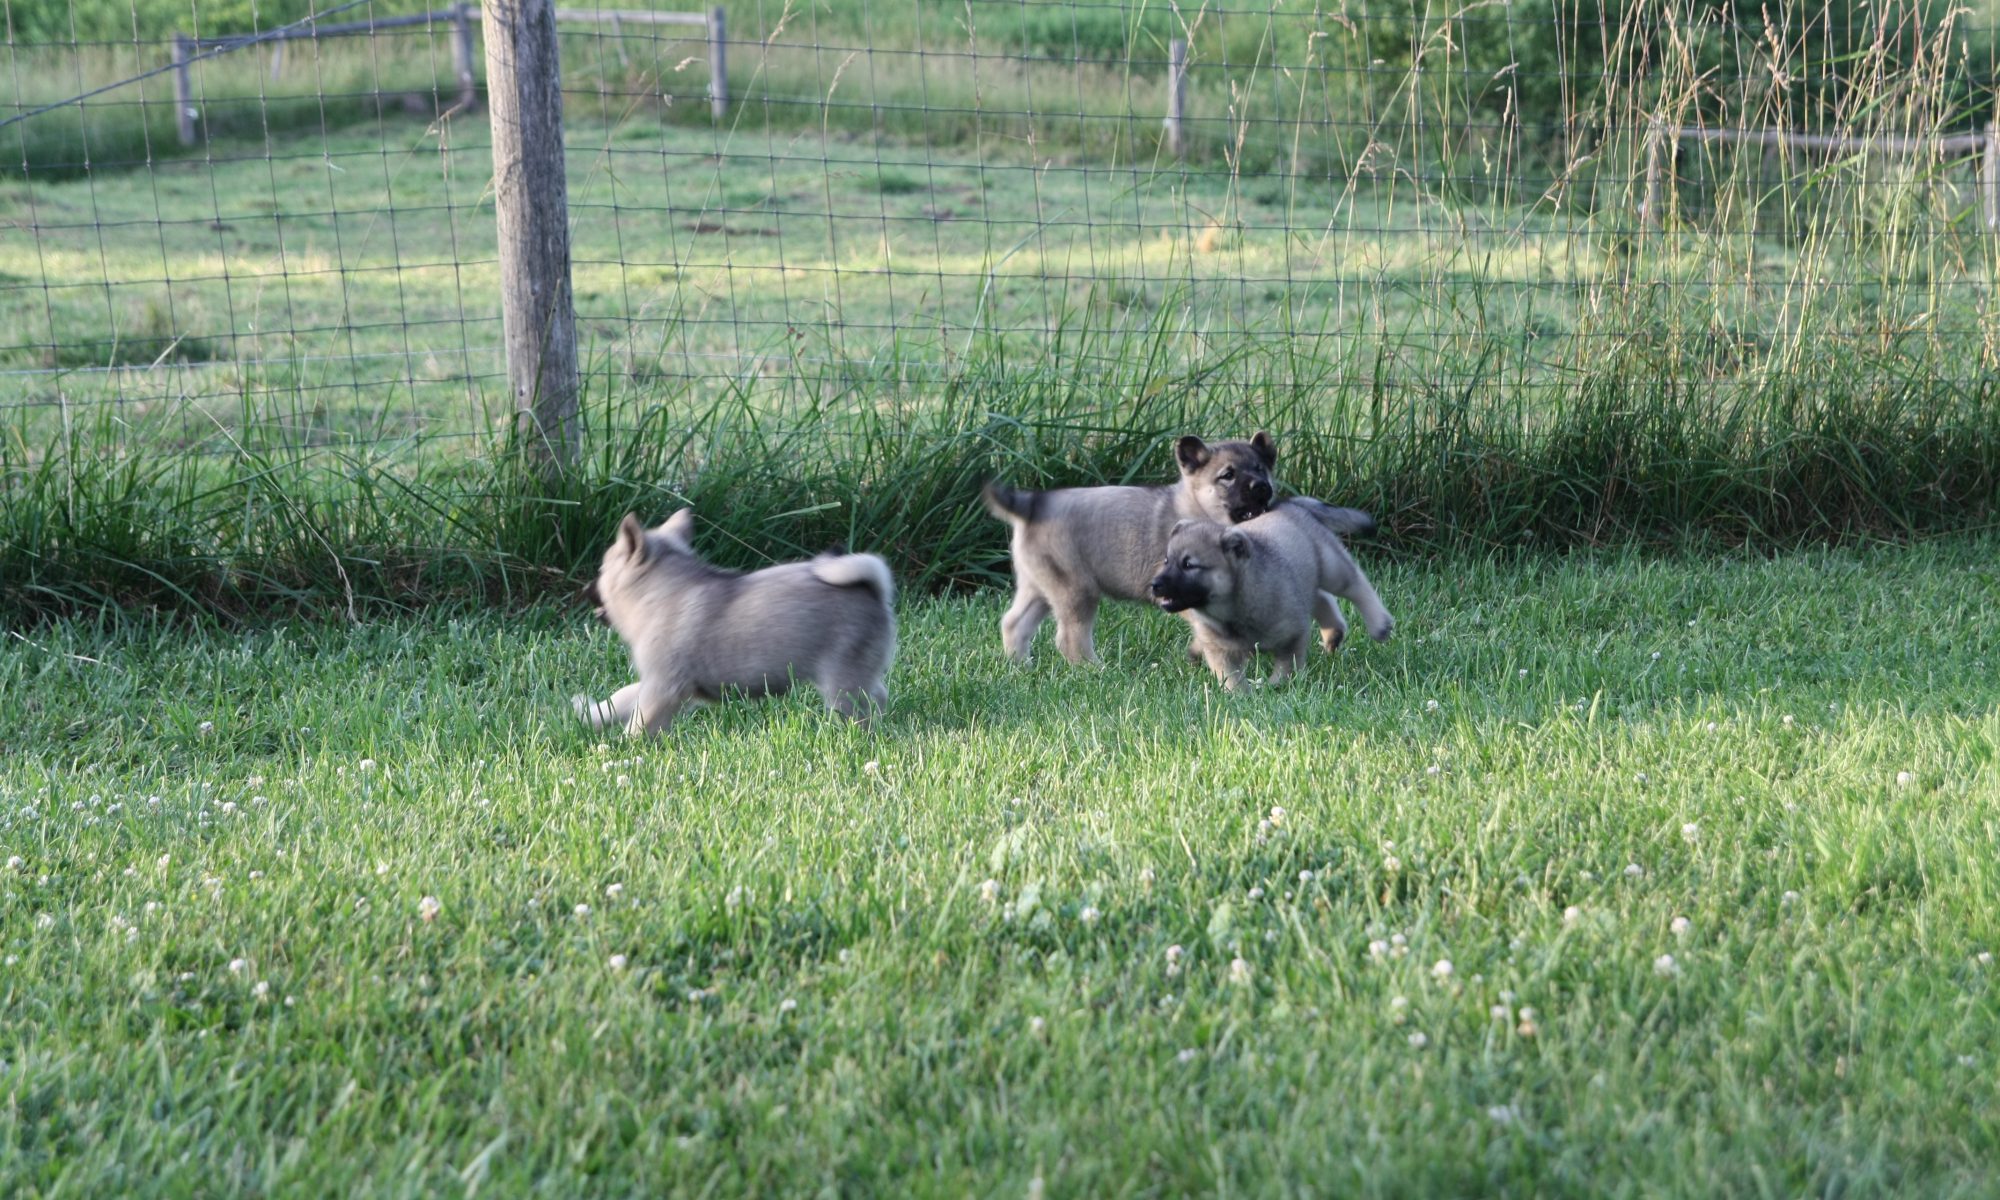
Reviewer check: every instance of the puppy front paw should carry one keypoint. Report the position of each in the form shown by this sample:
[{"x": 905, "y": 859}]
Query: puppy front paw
[
  {"x": 590, "y": 712},
  {"x": 1381, "y": 630}
]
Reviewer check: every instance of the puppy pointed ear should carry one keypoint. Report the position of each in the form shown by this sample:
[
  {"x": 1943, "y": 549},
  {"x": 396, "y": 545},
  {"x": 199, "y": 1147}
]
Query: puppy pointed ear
[
  {"x": 1266, "y": 447},
  {"x": 679, "y": 529},
  {"x": 632, "y": 536},
  {"x": 1234, "y": 544},
  {"x": 1183, "y": 523},
  {"x": 1192, "y": 453}
]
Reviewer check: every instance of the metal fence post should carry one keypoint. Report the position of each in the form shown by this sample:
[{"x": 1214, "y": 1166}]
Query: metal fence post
[
  {"x": 718, "y": 64},
  {"x": 184, "y": 88},
  {"x": 1177, "y": 53},
  {"x": 1989, "y": 175},
  {"x": 531, "y": 202}
]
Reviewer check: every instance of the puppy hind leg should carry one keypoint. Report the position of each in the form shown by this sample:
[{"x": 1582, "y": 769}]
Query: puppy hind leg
[
  {"x": 654, "y": 708},
  {"x": 1018, "y": 626},
  {"x": 1332, "y": 626},
  {"x": 858, "y": 702},
  {"x": 1374, "y": 618},
  {"x": 1076, "y": 625},
  {"x": 600, "y": 714}
]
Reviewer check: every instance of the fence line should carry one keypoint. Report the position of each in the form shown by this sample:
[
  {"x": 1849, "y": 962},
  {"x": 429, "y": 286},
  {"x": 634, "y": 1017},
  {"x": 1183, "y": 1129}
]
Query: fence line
[{"x": 1258, "y": 197}]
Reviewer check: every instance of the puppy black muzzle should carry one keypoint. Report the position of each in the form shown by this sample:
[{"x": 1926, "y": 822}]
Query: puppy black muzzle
[
  {"x": 595, "y": 599},
  {"x": 1254, "y": 501},
  {"x": 1173, "y": 591}
]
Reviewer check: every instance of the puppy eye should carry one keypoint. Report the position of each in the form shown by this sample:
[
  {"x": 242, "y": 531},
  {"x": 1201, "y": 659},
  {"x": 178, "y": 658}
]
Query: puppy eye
[
  {"x": 1188, "y": 563},
  {"x": 1227, "y": 475}
]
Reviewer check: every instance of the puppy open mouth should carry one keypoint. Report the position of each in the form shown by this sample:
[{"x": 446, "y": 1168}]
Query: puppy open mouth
[
  {"x": 1243, "y": 513},
  {"x": 1172, "y": 604}
]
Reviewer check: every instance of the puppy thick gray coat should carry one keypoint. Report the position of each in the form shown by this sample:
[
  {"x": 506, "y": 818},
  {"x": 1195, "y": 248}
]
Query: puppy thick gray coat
[
  {"x": 1263, "y": 584},
  {"x": 697, "y": 631},
  {"x": 1074, "y": 546}
]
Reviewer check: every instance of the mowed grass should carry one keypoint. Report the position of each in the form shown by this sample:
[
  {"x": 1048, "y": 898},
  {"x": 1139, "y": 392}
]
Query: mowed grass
[{"x": 218, "y": 976}]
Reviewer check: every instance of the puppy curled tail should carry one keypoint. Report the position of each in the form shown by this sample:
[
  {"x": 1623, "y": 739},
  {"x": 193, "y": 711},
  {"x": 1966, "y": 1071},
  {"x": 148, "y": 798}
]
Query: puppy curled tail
[
  {"x": 857, "y": 570},
  {"x": 1347, "y": 522},
  {"x": 1012, "y": 505}
]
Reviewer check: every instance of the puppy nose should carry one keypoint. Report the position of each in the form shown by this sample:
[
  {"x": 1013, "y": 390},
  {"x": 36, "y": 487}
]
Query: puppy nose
[
  {"x": 1260, "y": 490},
  {"x": 1158, "y": 583}
]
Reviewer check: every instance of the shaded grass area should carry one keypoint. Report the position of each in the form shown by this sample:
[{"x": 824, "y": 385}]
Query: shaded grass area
[
  {"x": 335, "y": 531},
  {"x": 1549, "y": 764}
]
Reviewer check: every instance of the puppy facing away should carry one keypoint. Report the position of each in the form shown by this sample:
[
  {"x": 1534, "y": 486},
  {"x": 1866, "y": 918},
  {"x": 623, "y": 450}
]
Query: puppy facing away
[
  {"x": 1263, "y": 584},
  {"x": 1074, "y": 546},
  {"x": 697, "y": 631}
]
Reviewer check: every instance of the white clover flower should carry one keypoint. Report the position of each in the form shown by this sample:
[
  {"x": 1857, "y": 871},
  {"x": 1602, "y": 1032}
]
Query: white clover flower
[
  {"x": 1089, "y": 914},
  {"x": 1522, "y": 673},
  {"x": 1430, "y": 706},
  {"x": 989, "y": 891},
  {"x": 15, "y": 862},
  {"x": 1572, "y": 915},
  {"x": 261, "y": 989},
  {"x": 238, "y": 965},
  {"x": 1665, "y": 965},
  {"x": 1418, "y": 1041},
  {"x": 582, "y": 910},
  {"x": 787, "y": 1005},
  {"x": 1146, "y": 876},
  {"x": 1378, "y": 949},
  {"x": 1503, "y": 1114},
  {"x": 1984, "y": 958},
  {"x": 1905, "y": 779},
  {"x": 1500, "y": 1013},
  {"x": 1277, "y": 815},
  {"x": 1790, "y": 897},
  {"x": 1398, "y": 940},
  {"x": 205, "y": 728},
  {"x": 1968, "y": 1060},
  {"x": 1256, "y": 893},
  {"x": 152, "y": 906},
  {"x": 164, "y": 861},
  {"x": 1640, "y": 777},
  {"x": 613, "y": 891},
  {"x": 1187, "y": 1056},
  {"x": 1786, "y": 720},
  {"x": 1391, "y": 863},
  {"x": 624, "y": 781},
  {"x": 617, "y": 962},
  {"x": 1038, "y": 1027},
  {"x": 429, "y": 907},
  {"x": 736, "y": 898},
  {"x": 1680, "y": 926},
  {"x": 1239, "y": 972},
  {"x": 1528, "y": 1027},
  {"x": 1305, "y": 876},
  {"x": 366, "y": 764},
  {"x": 1690, "y": 833},
  {"x": 1441, "y": 969},
  {"x": 871, "y": 767},
  {"x": 1634, "y": 871},
  {"x": 229, "y": 806},
  {"x": 1433, "y": 769},
  {"x": 1656, "y": 656}
]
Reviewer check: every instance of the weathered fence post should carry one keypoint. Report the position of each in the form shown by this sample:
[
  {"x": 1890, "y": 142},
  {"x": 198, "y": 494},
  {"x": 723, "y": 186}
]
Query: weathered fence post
[
  {"x": 1177, "y": 51},
  {"x": 461, "y": 55},
  {"x": 1649, "y": 207},
  {"x": 1989, "y": 175},
  {"x": 718, "y": 64},
  {"x": 183, "y": 88},
  {"x": 531, "y": 201}
]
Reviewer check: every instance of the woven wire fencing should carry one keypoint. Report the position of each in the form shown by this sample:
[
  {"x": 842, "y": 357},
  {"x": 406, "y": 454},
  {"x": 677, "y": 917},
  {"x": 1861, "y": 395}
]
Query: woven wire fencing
[{"x": 231, "y": 225}]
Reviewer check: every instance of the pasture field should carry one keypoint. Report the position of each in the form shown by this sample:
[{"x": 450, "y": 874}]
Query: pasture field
[{"x": 1428, "y": 904}]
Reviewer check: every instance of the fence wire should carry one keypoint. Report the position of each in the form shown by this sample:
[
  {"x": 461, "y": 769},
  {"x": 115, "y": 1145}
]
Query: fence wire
[{"x": 1515, "y": 201}]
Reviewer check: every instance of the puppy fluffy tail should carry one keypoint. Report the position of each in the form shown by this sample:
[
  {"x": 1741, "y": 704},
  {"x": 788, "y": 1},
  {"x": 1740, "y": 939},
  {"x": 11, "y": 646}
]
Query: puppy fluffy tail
[
  {"x": 857, "y": 570},
  {"x": 1010, "y": 504},
  {"x": 1347, "y": 522}
]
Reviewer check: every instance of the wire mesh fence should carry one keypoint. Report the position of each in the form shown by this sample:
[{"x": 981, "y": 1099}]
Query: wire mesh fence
[{"x": 262, "y": 225}]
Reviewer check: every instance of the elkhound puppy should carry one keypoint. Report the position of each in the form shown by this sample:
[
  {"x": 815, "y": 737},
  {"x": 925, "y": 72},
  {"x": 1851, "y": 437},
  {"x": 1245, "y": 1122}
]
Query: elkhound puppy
[
  {"x": 1263, "y": 584},
  {"x": 697, "y": 631},
  {"x": 1074, "y": 546}
]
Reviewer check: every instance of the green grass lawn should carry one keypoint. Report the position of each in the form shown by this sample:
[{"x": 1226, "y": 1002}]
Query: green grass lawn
[{"x": 938, "y": 958}]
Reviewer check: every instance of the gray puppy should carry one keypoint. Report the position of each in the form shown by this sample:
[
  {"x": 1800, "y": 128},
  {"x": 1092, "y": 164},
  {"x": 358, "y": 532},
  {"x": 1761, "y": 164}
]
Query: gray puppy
[
  {"x": 696, "y": 631},
  {"x": 1263, "y": 584}
]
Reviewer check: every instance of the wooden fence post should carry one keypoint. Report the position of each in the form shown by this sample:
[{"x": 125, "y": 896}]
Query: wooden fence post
[
  {"x": 184, "y": 88},
  {"x": 1649, "y": 207},
  {"x": 1177, "y": 51},
  {"x": 1989, "y": 175},
  {"x": 718, "y": 64},
  {"x": 461, "y": 56},
  {"x": 531, "y": 202}
]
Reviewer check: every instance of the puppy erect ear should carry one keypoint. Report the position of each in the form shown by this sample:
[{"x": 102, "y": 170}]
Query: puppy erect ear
[
  {"x": 1192, "y": 453},
  {"x": 632, "y": 536},
  {"x": 679, "y": 530},
  {"x": 1266, "y": 447},
  {"x": 1183, "y": 523},
  {"x": 1234, "y": 544}
]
